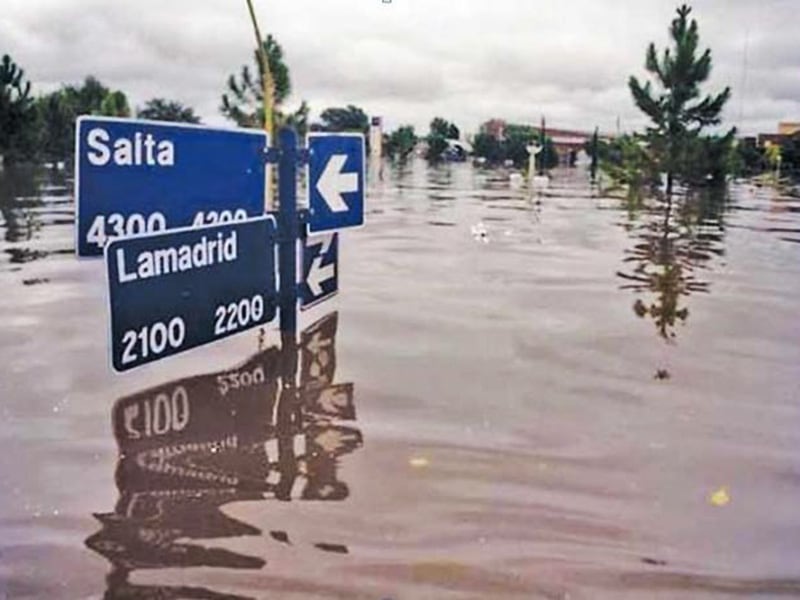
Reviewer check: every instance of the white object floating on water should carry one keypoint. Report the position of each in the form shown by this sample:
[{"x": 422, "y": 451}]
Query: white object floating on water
[
  {"x": 540, "y": 182},
  {"x": 479, "y": 232}
]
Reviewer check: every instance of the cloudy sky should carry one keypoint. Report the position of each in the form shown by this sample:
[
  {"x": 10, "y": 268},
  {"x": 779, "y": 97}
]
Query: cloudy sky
[{"x": 411, "y": 60}]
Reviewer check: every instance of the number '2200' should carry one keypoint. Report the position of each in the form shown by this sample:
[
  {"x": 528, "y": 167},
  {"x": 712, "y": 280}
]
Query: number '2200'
[{"x": 238, "y": 315}]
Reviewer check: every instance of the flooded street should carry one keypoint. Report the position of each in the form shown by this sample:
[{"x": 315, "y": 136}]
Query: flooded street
[{"x": 561, "y": 396}]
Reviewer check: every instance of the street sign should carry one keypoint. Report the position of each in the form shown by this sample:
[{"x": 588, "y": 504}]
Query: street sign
[
  {"x": 320, "y": 269},
  {"x": 177, "y": 290},
  {"x": 336, "y": 180},
  {"x": 134, "y": 177}
]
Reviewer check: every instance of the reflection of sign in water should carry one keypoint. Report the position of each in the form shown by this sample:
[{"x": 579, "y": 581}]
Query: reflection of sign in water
[
  {"x": 189, "y": 447},
  {"x": 134, "y": 177},
  {"x": 209, "y": 282},
  {"x": 318, "y": 354}
]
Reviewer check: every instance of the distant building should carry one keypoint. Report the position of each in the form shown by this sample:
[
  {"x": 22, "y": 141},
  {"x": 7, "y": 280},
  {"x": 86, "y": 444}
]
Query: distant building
[
  {"x": 495, "y": 128},
  {"x": 786, "y": 131},
  {"x": 788, "y": 127}
]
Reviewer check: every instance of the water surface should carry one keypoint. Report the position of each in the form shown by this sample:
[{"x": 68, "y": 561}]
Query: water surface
[{"x": 512, "y": 396}]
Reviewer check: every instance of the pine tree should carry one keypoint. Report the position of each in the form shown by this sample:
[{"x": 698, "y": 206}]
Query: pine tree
[
  {"x": 676, "y": 110},
  {"x": 17, "y": 113},
  {"x": 244, "y": 100}
]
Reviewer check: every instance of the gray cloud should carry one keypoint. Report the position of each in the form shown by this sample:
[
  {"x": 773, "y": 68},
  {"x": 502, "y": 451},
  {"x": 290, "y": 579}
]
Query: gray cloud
[{"x": 410, "y": 60}]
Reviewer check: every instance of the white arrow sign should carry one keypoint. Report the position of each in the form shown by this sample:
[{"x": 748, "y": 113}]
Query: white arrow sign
[
  {"x": 333, "y": 183},
  {"x": 317, "y": 274}
]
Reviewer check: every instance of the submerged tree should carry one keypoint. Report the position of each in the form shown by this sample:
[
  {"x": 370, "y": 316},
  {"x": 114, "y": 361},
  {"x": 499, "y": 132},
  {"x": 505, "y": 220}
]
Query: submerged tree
[
  {"x": 17, "y": 112},
  {"x": 115, "y": 104},
  {"x": 441, "y": 130},
  {"x": 56, "y": 125},
  {"x": 341, "y": 119},
  {"x": 400, "y": 143},
  {"x": 160, "y": 109},
  {"x": 674, "y": 104},
  {"x": 593, "y": 150}
]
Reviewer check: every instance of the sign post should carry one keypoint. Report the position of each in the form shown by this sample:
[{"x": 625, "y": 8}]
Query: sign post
[{"x": 181, "y": 288}]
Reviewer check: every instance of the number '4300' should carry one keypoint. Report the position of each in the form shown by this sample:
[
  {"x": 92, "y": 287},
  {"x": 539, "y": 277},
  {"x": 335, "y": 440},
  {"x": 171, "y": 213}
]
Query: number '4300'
[{"x": 106, "y": 227}]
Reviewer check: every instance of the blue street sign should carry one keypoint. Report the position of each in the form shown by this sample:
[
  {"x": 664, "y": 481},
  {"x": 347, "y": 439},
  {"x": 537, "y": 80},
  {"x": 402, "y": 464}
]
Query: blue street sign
[
  {"x": 177, "y": 290},
  {"x": 134, "y": 177},
  {"x": 336, "y": 180},
  {"x": 320, "y": 269}
]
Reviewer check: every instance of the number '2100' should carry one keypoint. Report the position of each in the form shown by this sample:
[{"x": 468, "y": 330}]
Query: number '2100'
[{"x": 153, "y": 339}]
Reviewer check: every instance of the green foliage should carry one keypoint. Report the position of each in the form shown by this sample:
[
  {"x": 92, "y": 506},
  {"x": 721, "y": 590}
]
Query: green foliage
[
  {"x": 243, "y": 103},
  {"x": 299, "y": 119},
  {"x": 444, "y": 128},
  {"x": 160, "y": 109},
  {"x": 88, "y": 98},
  {"x": 628, "y": 163},
  {"x": 58, "y": 110},
  {"x": 115, "y": 104},
  {"x": 489, "y": 147},
  {"x": 56, "y": 123},
  {"x": 674, "y": 106},
  {"x": 517, "y": 139},
  {"x": 437, "y": 145},
  {"x": 790, "y": 153},
  {"x": 441, "y": 130},
  {"x": 349, "y": 118},
  {"x": 17, "y": 113},
  {"x": 747, "y": 159},
  {"x": 401, "y": 142},
  {"x": 594, "y": 148}
]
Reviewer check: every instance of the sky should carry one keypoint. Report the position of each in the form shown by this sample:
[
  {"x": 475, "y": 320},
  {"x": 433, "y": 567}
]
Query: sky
[{"x": 411, "y": 60}]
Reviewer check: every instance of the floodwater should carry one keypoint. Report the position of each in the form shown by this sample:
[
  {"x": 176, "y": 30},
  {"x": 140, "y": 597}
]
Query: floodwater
[{"x": 557, "y": 396}]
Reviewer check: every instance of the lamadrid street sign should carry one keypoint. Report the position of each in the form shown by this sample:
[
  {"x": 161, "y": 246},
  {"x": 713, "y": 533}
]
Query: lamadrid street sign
[{"x": 181, "y": 289}]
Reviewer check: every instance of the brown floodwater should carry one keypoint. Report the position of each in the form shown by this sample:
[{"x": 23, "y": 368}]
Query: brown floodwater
[{"x": 561, "y": 396}]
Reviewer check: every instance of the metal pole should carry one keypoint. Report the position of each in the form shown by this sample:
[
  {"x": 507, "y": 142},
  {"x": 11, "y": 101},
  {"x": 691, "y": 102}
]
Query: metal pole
[
  {"x": 288, "y": 233},
  {"x": 288, "y": 228}
]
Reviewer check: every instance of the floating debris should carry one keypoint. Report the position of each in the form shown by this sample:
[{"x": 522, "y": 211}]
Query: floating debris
[
  {"x": 479, "y": 232},
  {"x": 721, "y": 497},
  {"x": 419, "y": 462}
]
